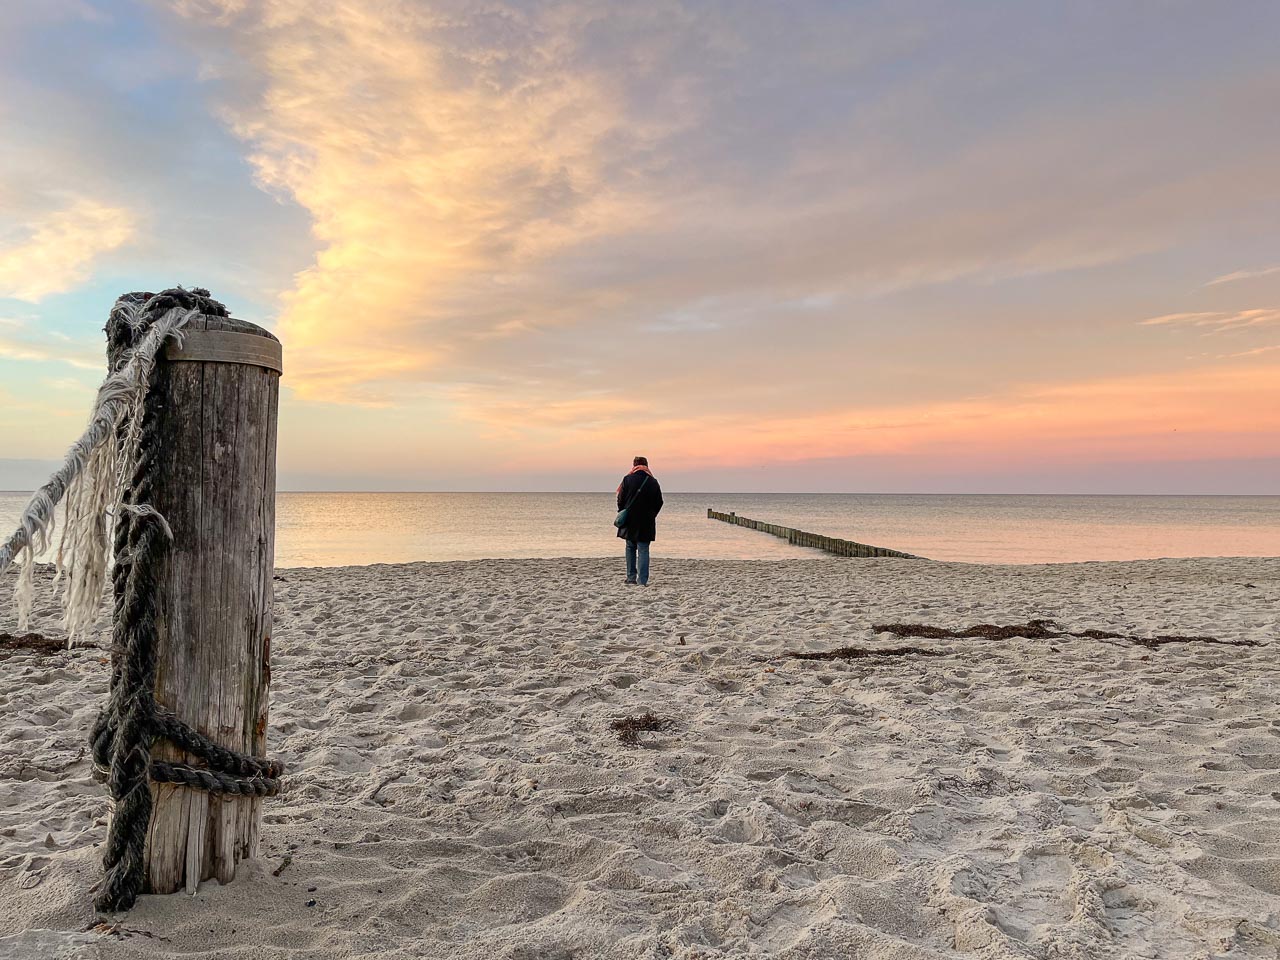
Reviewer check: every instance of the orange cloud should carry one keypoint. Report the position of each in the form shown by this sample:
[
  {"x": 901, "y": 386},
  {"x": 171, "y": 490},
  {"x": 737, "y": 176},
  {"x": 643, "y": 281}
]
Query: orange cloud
[
  {"x": 60, "y": 247},
  {"x": 505, "y": 198},
  {"x": 1218, "y": 319},
  {"x": 485, "y": 173},
  {"x": 435, "y": 174},
  {"x": 1213, "y": 412},
  {"x": 1243, "y": 275}
]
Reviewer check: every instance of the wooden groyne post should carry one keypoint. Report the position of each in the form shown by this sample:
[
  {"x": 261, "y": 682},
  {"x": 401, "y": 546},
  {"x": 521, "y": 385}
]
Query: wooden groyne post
[
  {"x": 217, "y": 398},
  {"x": 802, "y": 538}
]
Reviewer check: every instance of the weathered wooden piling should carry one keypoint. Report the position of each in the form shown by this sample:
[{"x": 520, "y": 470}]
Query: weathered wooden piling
[
  {"x": 218, "y": 396},
  {"x": 802, "y": 538}
]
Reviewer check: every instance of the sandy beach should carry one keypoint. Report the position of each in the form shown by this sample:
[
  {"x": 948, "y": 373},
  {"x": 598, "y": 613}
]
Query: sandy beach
[{"x": 457, "y": 789}]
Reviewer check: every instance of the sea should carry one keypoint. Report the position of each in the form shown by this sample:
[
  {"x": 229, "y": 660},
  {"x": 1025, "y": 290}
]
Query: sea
[{"x": 338, "y": 529}]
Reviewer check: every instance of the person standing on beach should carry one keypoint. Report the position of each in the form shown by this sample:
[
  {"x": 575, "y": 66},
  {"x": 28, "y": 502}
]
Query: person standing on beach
[{"x": 639, "y": 501}]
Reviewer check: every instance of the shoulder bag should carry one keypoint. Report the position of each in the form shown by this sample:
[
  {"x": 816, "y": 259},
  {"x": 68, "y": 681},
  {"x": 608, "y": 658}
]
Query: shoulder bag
[{"x": 620, "y": 520}]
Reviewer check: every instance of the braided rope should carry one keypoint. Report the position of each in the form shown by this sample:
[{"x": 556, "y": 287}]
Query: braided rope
[
  {"x": 214, "y": 780},
  {"x": 218, "y": 757},
  {"x": 120, "y": 331}
]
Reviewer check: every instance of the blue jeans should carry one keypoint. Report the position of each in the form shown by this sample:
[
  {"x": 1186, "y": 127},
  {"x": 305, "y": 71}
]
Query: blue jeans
[{"x": 638, "y": 549}]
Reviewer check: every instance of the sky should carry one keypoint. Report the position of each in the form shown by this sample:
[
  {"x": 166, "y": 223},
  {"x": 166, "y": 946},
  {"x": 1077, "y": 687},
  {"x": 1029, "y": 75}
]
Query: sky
[{"x": 899, "y": 246}]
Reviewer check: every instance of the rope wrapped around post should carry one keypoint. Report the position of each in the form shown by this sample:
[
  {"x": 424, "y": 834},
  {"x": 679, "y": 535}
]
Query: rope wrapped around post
[{"x": 117, "y": 457}]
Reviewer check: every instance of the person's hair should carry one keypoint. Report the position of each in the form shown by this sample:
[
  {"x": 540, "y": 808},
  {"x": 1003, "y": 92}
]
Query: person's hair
[{"x": 640, "y": 462}]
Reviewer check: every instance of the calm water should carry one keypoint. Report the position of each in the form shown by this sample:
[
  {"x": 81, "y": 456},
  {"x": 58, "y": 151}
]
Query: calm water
[{"x": 328, "y": 529}]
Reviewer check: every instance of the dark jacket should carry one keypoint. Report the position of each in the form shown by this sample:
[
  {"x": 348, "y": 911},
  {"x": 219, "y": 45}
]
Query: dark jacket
[{"x": 642, "y": 517}]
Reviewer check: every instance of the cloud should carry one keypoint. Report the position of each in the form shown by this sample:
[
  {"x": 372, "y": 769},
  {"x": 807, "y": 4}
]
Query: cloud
[
  {"x": 57, "y": 250},
  {"x": 17, "y": 342},
  {"x": 516, "y": 232},
  {"x": 1255, "y": 352},
  {"x": 1193, "y": 318},
  {"x": 439, "y": 157},
  {"x": 1218, "y": 319},
  {"x": 67, "y": 384},
  {"x": 482, "y": 178},
  {"x": 1243, "y": 275},
  {"x": 102, "y": 106},
  {"x": 1212, "y": 411}
]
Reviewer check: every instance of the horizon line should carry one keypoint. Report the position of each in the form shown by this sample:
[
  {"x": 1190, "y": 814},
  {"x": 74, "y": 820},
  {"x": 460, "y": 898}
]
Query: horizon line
[{"x": 774, "y": 493}]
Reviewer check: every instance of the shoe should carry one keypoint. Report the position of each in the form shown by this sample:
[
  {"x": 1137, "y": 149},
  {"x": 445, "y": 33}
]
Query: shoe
[{"x": 630, "y": 583}]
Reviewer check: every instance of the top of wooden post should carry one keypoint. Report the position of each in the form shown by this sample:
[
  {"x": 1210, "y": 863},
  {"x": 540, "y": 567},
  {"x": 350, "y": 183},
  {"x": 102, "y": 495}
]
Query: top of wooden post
[{"x": 227, "y": 340}]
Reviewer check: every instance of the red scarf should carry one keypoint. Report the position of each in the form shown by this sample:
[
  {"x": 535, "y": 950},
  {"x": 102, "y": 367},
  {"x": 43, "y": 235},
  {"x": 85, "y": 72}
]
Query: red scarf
[{"x": 638, "y": 468}]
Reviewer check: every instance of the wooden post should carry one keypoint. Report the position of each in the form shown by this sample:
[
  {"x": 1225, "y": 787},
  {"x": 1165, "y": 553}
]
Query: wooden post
[{"x": 218, "y": 398}]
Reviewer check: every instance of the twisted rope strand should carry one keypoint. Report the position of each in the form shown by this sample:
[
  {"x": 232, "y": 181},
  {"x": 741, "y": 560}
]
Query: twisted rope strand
[
  {"x": 132, "y": 699},
  {"x": 115, "y": 398},
  {"x": 218, "y": 757},
  {"x": 128, "y": 780},
  {"x": 214, "y": 781}
]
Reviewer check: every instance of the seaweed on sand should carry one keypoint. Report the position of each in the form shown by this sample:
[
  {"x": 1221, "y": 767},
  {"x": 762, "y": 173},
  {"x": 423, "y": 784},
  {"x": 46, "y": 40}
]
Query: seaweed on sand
[
  {"x": 1039, "y": 630},
  {"x": 862, "y": 653},
  {"x": 1153, "y": 642},
  {"x": 31, "y": 641},
  {"x": 630, "y": 728},
  {"x": 1032, "y": 630}
]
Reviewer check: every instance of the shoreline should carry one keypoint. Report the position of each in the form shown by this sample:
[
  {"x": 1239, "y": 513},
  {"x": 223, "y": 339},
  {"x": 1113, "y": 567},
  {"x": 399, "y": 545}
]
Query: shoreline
[
  {"x": 772, "y": 560},
  {"x": 456, "y": 789}
]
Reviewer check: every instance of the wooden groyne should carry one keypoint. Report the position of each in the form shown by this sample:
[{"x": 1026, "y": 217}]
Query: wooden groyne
[{"x": 802, "y": 538}]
